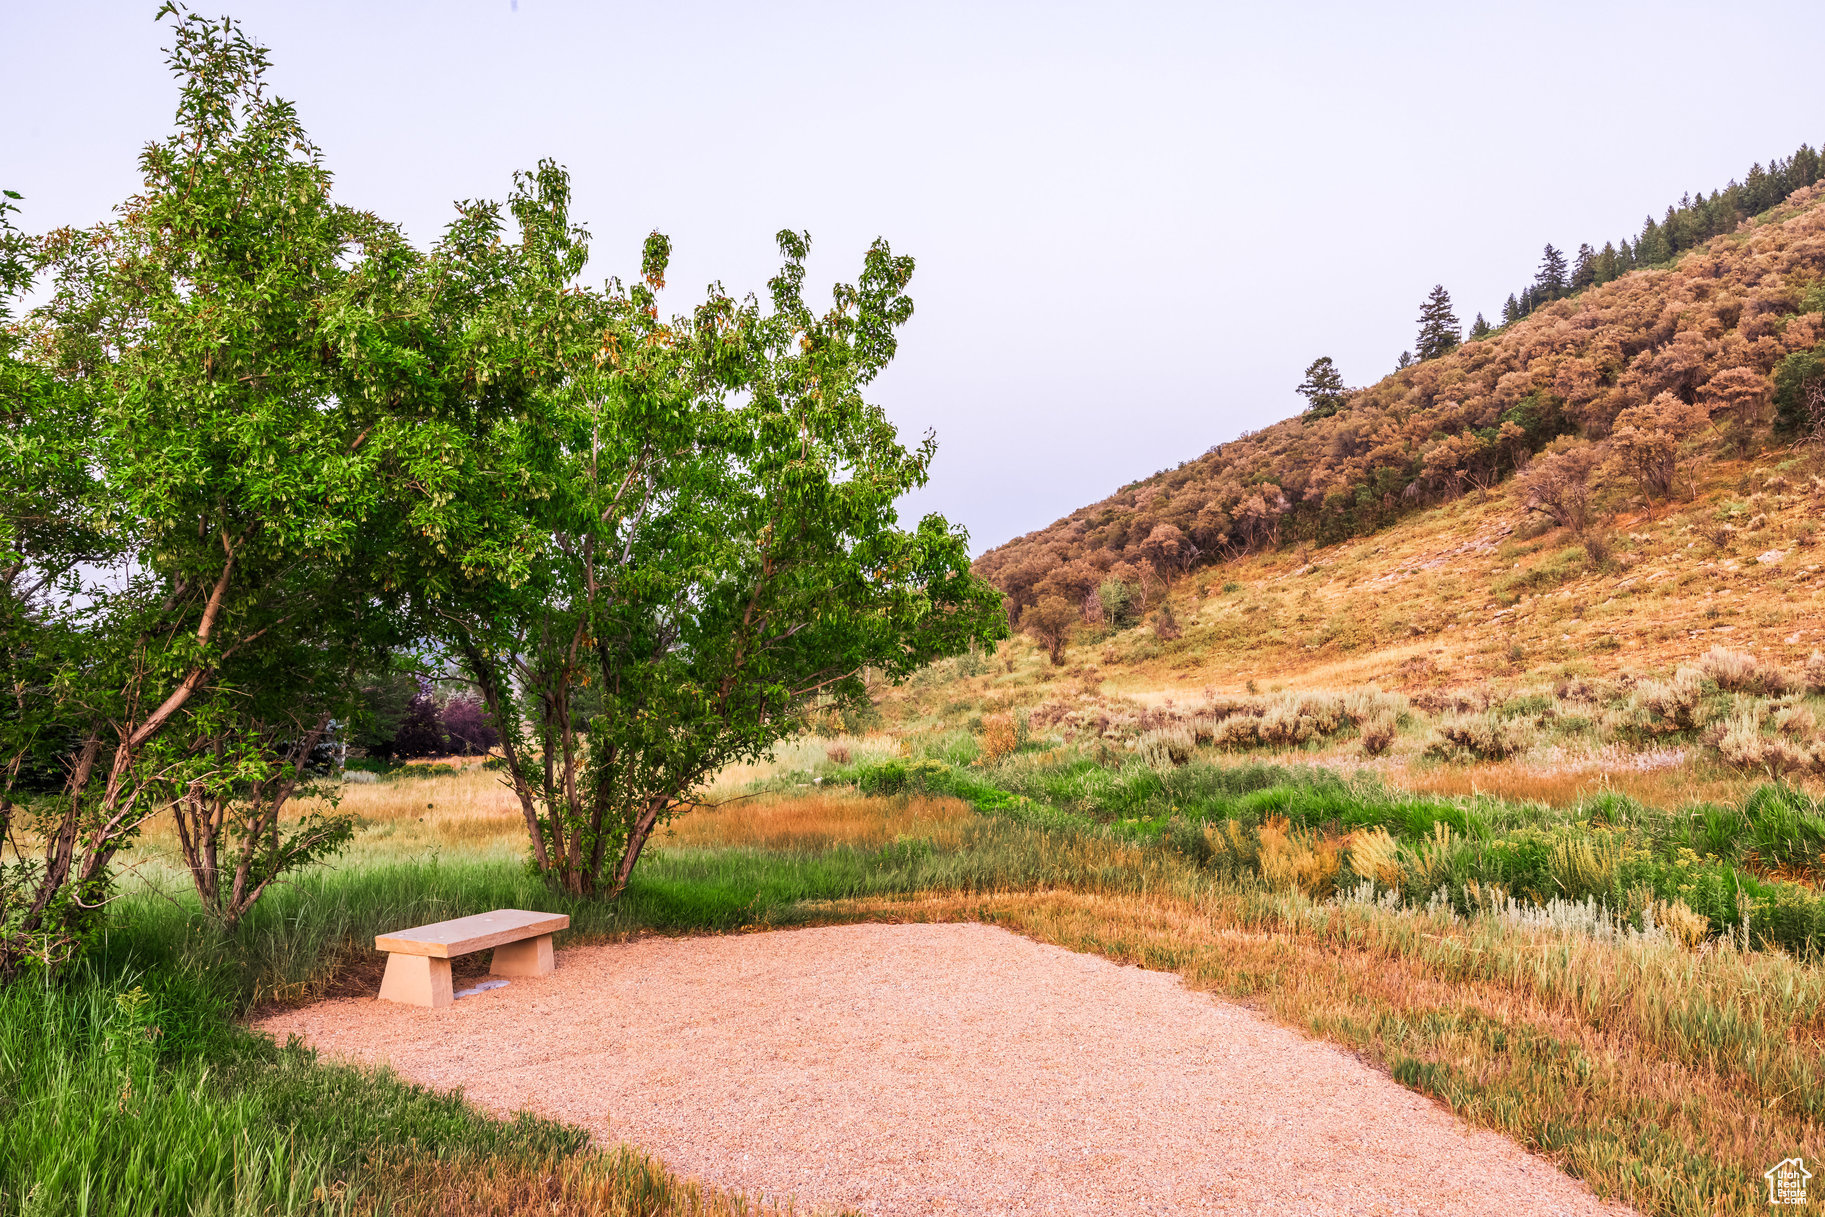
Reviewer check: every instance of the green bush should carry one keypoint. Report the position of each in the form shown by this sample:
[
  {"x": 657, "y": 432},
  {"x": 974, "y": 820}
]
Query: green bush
[{"x": 1783, "y": 827}]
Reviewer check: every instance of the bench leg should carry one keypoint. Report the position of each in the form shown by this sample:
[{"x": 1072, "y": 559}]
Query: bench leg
[
  {"x": 416, "y": 980},
  {"x": 529, "y": 957}
]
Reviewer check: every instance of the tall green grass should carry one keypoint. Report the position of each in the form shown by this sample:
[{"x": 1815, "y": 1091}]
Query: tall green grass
[
  {"x": 1610, "y": 849},
  {"x": 135, "y": 1093}
]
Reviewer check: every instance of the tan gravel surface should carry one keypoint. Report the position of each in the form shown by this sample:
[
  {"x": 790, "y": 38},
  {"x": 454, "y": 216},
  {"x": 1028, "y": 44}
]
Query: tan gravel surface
[{"x": 913, "y": 1069}]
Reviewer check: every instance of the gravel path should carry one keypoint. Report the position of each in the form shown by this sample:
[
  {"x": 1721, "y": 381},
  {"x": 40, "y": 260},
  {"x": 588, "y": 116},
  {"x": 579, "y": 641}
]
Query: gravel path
[{"x": 957, "y": 1069}]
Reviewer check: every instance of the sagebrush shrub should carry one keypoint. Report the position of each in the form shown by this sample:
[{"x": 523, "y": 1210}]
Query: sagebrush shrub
[
  {"x": 1487, "y": 736},
  {"x": 1237, "y": 731},
  {"x": 1166, "y": 747},
  {"x": 1739, "y": 741},
  {"x": 1671, "y": 705},
  {"x": 1378, "y": 734},
  {"x": 1295, "y": 718},
  {"x": 1741, "y": 672},
  {"x": 1815, "y": 672},
  {"x": 1796, "y": 721},
  {"x": 1362, "y": 705}
]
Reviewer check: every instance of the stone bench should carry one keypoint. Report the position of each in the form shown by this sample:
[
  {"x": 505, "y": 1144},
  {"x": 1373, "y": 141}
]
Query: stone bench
[{"x": 418, "y": 960}]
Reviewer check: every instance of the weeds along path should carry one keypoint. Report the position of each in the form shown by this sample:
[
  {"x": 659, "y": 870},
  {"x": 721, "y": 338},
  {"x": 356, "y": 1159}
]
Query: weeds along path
[
  {"x": 913, "y": 1069},
  {"x": 1667, "y": 1081}
]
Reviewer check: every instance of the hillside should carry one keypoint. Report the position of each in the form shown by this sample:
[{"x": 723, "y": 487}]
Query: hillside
[
  {"x": 1580, "y": 553},
  {"x": 1662, "y": 372}
]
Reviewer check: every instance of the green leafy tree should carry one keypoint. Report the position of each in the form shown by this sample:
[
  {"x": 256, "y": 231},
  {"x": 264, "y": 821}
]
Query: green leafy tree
[
  {"x": 1323, "y": 389},
  {"x": 1799, "y": 393},
  {"x": 225, "y": 381},
  {"x": 1120, "y": 603},
  {"x": 1438, "y": 325},
  {"x": 701, "y": 548},
  {"x": 47, "y": 533}
]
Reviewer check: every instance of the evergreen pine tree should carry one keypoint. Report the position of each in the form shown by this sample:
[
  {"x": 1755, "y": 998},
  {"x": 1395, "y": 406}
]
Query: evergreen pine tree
[
  {"x": 1438, "y": 325},
  {"x": 1551, "y": 279},
  {"x": 1584, "y": 271},
  {"x": 1322, "y": 389},
  {"x": 1405, "y": 360},
  {"x": 1805, "y": 166},
  {"x": 1760, "y": 191},
  {"x": 1609, "y": 264},
  {"x": 1511, "y": 311},
  {"x": 1655, "y": 244},
  {"x": 1479, "y": 328}
]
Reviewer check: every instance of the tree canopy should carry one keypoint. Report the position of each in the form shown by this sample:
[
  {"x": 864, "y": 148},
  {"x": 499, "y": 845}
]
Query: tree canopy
[
  {"x": 713, "y": 549},
  {"x": 256, "y": 447}
]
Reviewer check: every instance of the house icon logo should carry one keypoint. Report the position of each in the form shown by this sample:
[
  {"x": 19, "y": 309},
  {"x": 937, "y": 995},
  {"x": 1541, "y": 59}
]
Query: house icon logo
[{"x": 1787, "y": 1181}]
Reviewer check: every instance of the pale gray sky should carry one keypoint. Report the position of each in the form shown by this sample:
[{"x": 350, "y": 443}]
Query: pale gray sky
[{"x": 1135, "y": 224}]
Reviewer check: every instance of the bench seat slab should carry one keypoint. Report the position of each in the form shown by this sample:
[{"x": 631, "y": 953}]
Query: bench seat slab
[
  {"x": 446, "y": 939},
  {"x": 417, "y": 980}
]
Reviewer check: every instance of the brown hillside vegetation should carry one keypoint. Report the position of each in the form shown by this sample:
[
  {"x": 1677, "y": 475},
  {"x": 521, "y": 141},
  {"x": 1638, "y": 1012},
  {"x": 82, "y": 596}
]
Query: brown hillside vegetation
[
  {"x": 1678, "y": 656},
  {"x": 1629, "y": 386}
]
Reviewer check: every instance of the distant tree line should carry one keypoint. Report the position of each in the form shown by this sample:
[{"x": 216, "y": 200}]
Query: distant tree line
[{"x": 1687, "y": 224}]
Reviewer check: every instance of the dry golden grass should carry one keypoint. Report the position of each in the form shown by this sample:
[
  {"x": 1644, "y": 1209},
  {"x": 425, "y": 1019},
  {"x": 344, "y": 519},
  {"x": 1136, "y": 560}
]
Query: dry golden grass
[
  {"x": 1675, "y": 786},
  {"x": 1430, "y": 601},
  {"x": 1619, "y": 1063},
  {"x": 817, "y": 821}
]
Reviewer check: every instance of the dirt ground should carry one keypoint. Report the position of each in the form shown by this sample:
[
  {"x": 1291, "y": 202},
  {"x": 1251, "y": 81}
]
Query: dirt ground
[{"x": 946, "y": 1069}]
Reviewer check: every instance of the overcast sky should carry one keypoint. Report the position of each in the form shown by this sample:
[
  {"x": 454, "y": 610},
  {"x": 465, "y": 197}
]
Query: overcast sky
[{"x": 1135, "y": 224}]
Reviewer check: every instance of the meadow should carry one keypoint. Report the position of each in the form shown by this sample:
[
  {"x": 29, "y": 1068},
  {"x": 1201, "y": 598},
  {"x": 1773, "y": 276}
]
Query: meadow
[{"x": 1666, "y": 1064}]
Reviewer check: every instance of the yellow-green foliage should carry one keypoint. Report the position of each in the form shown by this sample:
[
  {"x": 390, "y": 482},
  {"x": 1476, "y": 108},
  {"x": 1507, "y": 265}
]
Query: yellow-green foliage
[
  {"x": 1375, "y": 855},
  {"x": 1298, "y": 859},
  {"x": 1586, "y": 863}
]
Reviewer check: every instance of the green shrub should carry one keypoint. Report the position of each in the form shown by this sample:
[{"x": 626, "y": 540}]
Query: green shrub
[{"x": 1783, "y": 827}]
